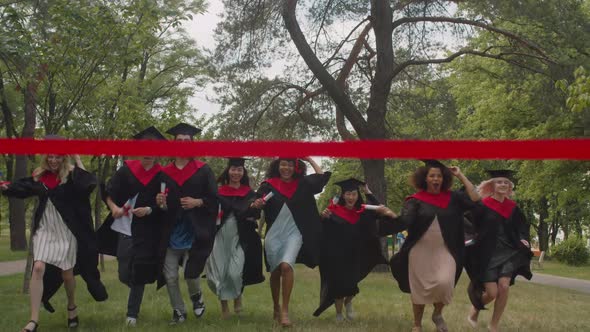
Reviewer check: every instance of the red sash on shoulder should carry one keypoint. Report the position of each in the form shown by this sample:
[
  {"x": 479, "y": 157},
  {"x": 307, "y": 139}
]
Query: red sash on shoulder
[
  {"x": 140, "y": 173},
  {"x": 181, "y": 175},
  {"x": 286, "y": 189},
  {"x": 50, "y": 180},
  {"x": 502, "y": 208},
  {"x": 227, "y": 190},
  {"x": 351, "y": 216},
  {"x": 440, "y": 200}
]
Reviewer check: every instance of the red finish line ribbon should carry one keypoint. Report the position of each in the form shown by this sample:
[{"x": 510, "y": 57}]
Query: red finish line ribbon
[{"x": 573, "y": 149}]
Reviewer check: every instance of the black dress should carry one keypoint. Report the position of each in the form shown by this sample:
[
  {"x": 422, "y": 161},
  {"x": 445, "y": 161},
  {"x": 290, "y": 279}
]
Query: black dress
[
  {"x": 137, "y": 254},
  {"x": 350, "y": 249},
  {"x": 498, "y": 251},
  {"x": 72, "y": 201}
]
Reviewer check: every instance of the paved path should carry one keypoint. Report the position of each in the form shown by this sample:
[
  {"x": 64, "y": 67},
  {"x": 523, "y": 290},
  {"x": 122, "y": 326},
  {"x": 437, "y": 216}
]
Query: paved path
[
  {"x": 579, "y": 285},
  {"x": 14, "y": 267}
]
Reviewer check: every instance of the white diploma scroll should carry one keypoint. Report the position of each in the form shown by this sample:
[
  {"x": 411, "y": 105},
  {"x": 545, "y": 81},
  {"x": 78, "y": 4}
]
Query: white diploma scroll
[
  {"x": 370, "y": 207},
  {"x": 268, "y": 196}
]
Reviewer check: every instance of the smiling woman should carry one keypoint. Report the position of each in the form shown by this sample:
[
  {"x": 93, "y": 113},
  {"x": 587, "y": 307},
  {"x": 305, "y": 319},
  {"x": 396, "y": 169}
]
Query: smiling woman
[{"x": 430, "y": 261}]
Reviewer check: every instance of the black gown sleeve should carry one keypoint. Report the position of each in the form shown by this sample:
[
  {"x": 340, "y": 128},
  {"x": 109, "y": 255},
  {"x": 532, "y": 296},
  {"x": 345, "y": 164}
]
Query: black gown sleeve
[
  {"x": 371, "y": 199},
  {"x": 25, "y": 187},
  {"x": 317, "y": 182},
  {"x": 389, "y": 226},
  {"x": 464, "y": 200},
  {"x": 83, "y": 181},
  {"x": 210, "y": 199},
  {"x": 523, "y": 225}
]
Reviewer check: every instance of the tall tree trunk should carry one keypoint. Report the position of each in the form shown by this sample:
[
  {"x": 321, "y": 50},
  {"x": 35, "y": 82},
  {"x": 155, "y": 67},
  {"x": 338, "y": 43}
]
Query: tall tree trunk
[
  {"x": 374, "y": 170},
  {"x": 542, "y": 231}
]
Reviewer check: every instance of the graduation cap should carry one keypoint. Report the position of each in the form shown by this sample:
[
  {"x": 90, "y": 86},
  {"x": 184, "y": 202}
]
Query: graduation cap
[
  {"x": 236, "y": 161},
  {"x": 149, "y": 133},
  {"x": 183, "y": 129},
  {"x": 349, "y": 184},
  {"x": 433, "y": 163},
  {"x": 501, "y": 173}
]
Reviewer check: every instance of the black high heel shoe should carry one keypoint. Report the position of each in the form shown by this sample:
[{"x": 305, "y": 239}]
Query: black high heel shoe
[
  {"x": 73, "y": 322},
  {"x": 34, "y": 328}
]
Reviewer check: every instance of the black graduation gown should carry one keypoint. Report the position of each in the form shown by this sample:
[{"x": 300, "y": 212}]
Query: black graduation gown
[
  {"x": 249, "y": 238},
  {"x": 305, "y": 212},
  {"x": 348, "y": 253},
  {"x": 201, "y": 185},
  {"x": 72, "y": 201},
  {"x": 477, "y": 257},
  {"x": 416, "y": 217},
  {"x": 138, "y": 264}
]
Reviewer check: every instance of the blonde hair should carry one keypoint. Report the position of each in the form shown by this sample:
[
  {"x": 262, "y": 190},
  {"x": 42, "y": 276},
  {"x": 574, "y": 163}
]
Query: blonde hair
[
  {"x": 63, "y": 171},
  {"x": 486, "y": 188}
]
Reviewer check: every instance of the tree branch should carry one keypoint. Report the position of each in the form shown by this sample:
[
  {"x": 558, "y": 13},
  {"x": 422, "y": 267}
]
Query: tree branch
[
  {"x": 444, "y": 19},
  {"x": 338, "y": 95}
]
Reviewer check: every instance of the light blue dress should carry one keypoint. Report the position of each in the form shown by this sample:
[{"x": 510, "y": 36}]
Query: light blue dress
[
  {"x": 225, "y": 264},
  {"x": 283, "y": 240}
]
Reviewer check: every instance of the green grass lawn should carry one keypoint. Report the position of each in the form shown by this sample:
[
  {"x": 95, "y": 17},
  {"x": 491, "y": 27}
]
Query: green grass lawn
[
  {"x": 380, "y": 306},
  {"x": 6, "y": 254},
  {"x": 556, "y": 268}
]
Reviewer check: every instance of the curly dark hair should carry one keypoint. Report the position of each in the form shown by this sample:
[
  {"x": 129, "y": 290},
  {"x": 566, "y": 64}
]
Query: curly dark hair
[
  {"x": 418, "y": 179},
  {"x": 224, "y": 177},
  {"x": 273, "y": 168},
  {"x": 359, "y": 201}
]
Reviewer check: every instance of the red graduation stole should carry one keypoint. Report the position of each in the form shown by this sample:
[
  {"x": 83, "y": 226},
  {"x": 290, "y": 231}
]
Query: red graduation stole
[
  {"x": 140, "y": 173},
  {"x": 502, "y": 208},
  {"x": 440, "y": 200},
  {"x": 286, "y": 189},
  {"x": 181, "y": 175},
  {"x": 351, "y": 216},
  {"x": 50, "y": 180},
  {"x": 227, "y": 190}
]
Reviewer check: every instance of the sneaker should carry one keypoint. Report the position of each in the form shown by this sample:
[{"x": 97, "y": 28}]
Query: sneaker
[
  {"x": 131, "y": 322},
  {"x": 198, "y": 304},
  {"x": 349, "y": 312},
  {"x": 339, "y": 318},
  {"x": 177, "y": 317}
]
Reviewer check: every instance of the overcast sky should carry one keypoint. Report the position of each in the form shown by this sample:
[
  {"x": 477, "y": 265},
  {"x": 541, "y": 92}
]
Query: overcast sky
[{"x": 201, "y": 29}]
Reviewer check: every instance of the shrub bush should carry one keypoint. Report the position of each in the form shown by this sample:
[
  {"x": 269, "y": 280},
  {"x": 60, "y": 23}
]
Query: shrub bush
[{"x": 572, "y": 251}]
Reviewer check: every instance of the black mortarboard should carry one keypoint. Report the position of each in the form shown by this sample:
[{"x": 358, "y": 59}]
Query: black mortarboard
[
  {"x": 501, "y": 173},
  {"x": 349, "y": 184},
  {"x": 236, "y": 161},
  {"x": 433, "y": 163},
  {"x": 183, "y": 129},
  {"x": 149, "y": 133}
]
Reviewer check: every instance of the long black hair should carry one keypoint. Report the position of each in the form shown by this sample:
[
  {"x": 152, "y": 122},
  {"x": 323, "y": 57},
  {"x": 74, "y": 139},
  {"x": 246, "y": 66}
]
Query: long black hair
[{"x": 224, "y": 177}]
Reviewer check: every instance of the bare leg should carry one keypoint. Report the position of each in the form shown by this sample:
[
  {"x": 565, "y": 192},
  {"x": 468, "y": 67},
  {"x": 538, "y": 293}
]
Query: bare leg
[
  {"x": 490, "y": 293},
  {"x": 238, "y": 304},
  {"x": 275, "y": 289},
  {"x": 339, "y": 303},
  {"x": 224, "y": 309},
  {"x": 418, "y": 313},
  {"x": 438, "y": 319},
  {"x": 36, "y": 291},
  {"x": 288, "y": 279},
  {"x": 501, "y": 301},
  {"x": 70, "y": 286}
]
